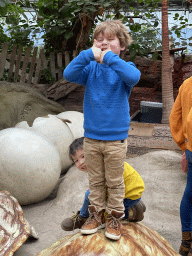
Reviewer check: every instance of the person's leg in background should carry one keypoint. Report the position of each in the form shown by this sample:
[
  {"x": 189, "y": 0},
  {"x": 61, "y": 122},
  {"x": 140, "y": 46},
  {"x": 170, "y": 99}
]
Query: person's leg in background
[
  {"x": 84, "y": 209},
  {"x": 186, "y": 211}
]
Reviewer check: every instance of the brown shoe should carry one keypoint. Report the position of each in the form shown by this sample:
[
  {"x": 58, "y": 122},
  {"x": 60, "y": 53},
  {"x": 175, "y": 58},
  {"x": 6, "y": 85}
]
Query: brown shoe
[
  {"x": 186, "y": 244},
  {"x": 95, "y": 221},
  {"x": 136, "y": 213},
  {"x": 74, "y": 222},
  {"x": 190, "y": 252},
  {"x": 113, "y": 225}
]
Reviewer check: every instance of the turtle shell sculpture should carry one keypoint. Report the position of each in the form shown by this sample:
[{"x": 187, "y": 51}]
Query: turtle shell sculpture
[
  {"x": 14, "y": 229},
  {"x": 136, "y": 240}
]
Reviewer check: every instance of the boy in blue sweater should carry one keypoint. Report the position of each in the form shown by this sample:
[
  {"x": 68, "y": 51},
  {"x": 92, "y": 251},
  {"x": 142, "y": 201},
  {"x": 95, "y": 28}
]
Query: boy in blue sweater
[{"x": 108, "y": 80}]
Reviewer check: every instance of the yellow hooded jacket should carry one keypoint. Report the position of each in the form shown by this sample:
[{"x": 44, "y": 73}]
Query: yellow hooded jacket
[
  {"x": 134, "y": 185},
  {"x": 181, "y": 116}
]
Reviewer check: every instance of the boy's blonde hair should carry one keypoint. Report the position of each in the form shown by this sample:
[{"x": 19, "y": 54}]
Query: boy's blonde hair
[{"x": 116, "y": 27}]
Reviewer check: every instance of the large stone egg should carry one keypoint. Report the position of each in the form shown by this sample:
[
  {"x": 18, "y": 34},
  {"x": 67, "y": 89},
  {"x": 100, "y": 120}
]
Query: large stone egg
[
  {"x": 23, "y": 125},
  {"x": 77, "y": 119},
  {"x": 30, "y": 165},
  {"x": 57, "y": 132}
]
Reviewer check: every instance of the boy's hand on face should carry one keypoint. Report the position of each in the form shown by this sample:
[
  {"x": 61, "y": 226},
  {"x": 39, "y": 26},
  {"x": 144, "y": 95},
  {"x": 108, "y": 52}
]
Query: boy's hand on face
[
  {"x": 104, "y": 52},
  {"x": 96, "y": 51}
]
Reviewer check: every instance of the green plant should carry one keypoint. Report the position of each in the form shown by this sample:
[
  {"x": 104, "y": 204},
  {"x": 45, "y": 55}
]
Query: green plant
[
  {"x": 68, "y": 24},
  {"x": 15, "y": 26},
  {"x": 46, "y": 77}
]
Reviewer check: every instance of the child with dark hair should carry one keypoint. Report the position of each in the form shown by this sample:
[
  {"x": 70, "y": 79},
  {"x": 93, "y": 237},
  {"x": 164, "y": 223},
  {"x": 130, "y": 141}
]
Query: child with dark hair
[{"x": 134, "y": 187}]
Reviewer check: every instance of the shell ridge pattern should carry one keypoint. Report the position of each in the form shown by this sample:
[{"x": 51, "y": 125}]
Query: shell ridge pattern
[
  {"x": 153, "y": 237},
  {"x": 18, "y": 231}
]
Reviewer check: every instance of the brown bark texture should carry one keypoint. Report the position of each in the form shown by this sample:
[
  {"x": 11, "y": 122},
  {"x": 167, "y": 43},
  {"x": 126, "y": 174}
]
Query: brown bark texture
[{"x": 167, "y": 84}]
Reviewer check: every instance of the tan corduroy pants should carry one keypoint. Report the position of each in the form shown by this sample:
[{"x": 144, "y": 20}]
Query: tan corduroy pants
[{"x": 105, "y": 163}]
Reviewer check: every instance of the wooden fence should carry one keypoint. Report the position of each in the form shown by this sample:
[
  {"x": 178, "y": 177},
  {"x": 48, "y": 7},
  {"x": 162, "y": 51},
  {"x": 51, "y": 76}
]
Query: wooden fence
[{"x": 28, "y": 68}]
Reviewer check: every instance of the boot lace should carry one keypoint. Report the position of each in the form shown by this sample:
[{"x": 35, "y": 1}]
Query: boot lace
[
  {"x": 113, "y": 222},
  {"x": 76, "y": 218},
  {"x": 93, "y": 216}
]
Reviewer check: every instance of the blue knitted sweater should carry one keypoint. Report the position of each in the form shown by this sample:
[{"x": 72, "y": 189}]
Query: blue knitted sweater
[{"x": 108, "y": 87}]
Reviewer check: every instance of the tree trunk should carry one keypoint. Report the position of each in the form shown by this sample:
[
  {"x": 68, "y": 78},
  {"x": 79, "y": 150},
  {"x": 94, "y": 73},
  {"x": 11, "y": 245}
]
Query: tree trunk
[
  {"x": 167, "y": 84},
  {"x": 81, "y": 33}
]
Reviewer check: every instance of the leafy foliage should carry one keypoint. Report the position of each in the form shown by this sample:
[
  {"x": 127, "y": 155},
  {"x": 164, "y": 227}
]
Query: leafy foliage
[
  {"x": 68, "y": 24},
  {"x": 14, "y": 27},
  {"x": 46, "y": 77}
]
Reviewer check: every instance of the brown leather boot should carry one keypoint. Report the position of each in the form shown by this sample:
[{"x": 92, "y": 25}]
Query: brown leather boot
[
  {"x": 190, "y": 251},
  {"x": 113, "y": 225},
  {"x": 74, "y": 222},
  {"x": 186, "y": 244},
  {"x": 95, "y": 221},
  {"x": 136, "y": 212}
]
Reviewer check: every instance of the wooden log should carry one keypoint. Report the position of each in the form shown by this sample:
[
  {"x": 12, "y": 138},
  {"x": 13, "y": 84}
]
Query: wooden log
[{"x": 60, "y": 89}]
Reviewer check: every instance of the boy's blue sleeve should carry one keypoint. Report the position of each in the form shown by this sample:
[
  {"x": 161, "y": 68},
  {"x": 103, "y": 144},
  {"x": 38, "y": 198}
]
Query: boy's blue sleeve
[
  {"x": 78, "y": 69},
  {"x": 126, "y": 70}
]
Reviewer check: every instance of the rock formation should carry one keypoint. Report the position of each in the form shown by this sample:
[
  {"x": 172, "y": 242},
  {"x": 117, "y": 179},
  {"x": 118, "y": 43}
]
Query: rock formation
[{"x": 20, "y": 102}]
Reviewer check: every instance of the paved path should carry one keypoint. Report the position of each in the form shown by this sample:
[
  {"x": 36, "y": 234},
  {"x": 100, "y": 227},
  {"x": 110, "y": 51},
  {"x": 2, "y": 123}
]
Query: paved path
[{"x": 144, "y": 138}]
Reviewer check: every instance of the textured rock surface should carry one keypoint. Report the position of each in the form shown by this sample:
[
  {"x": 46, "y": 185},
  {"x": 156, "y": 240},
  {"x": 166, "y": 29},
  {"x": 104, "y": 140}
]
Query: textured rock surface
[
  {"x": 136, "y": 239},
  {"x": 164, "y": 185},
  {"x": 22, "y": 103},
  {"x": 30, "y": 165}
]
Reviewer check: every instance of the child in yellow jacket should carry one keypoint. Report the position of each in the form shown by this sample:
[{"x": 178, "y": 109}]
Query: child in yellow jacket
[
  {"x": 181, "y": 129},
  {"x": 134, "y": 187}
]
